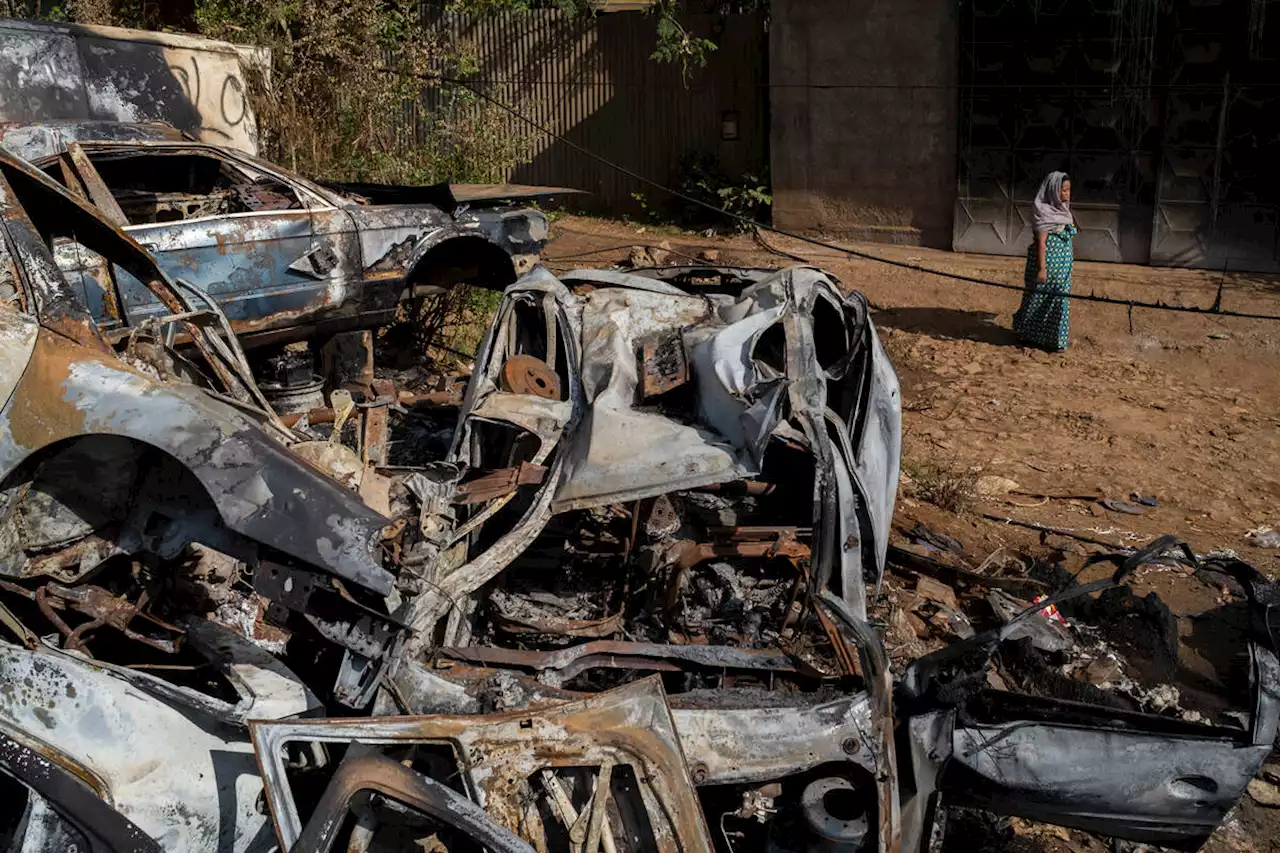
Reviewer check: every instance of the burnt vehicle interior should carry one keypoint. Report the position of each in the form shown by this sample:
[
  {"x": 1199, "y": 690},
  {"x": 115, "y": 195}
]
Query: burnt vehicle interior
[
  {"x": 96, "y": 528},
  {"x": 159, "y": 185},
  {"x": 723, "y": 568}
]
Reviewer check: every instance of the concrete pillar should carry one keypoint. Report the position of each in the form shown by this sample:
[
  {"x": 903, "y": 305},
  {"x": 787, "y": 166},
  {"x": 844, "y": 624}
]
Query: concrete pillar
[{"x": 864, "y": 118}]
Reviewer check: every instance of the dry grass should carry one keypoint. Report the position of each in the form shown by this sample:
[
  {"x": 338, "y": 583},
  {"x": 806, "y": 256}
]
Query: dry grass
[
  {"x": 945, "y": 483},
  {"x": 452, "y": 324},
  {"x": 93, "y": 12}
]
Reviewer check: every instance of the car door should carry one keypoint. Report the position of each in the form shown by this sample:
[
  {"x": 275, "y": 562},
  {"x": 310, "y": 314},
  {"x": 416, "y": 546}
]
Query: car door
[
  {"x": 241, "y": 233},
  {"x": 1155, "y": 779},
  {"x": 49, "y": 807}
]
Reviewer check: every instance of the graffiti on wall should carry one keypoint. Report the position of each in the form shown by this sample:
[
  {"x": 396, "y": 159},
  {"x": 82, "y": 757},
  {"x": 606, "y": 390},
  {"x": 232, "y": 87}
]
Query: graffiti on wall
[{"x": 53, "y": 72}]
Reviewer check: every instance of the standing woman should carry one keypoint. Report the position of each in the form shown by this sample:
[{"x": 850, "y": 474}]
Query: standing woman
[{"x": 1044, "y": 317}]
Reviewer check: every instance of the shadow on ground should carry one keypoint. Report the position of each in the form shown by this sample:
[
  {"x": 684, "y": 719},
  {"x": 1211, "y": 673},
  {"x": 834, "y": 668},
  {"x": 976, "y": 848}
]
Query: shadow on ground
[{"x": 951, "y": 323}]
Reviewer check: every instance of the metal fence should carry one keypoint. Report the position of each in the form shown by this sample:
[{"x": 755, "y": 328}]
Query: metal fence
[{"x": 592, "y": 81}]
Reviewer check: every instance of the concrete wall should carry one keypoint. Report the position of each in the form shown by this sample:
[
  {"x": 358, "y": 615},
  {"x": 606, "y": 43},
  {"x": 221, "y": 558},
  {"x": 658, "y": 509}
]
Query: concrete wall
[
  {"x": 862, "y": 159},
  {"x": 63, "y": 71}
]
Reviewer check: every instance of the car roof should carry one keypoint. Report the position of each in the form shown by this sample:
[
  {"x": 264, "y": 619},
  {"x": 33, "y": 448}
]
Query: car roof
[
  {"x": 183, "y": 144},
  {"x": 90, "y": 219},
  {"x": 33, "y": 140}
]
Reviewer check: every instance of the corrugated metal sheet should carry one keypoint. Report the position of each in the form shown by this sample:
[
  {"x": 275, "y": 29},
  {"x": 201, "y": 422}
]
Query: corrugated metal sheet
[
  {"x": 592, "y": 81},
  {"x": 1169, "y": 127},
  {"x": 1218, "y": 202}
]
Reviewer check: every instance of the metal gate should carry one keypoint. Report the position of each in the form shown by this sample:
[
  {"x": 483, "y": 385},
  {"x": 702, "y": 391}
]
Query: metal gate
[{"x": 1164, "y": 112}]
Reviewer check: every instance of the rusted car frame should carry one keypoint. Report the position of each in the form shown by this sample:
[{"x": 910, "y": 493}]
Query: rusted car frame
[
  {"x": 504, "y": 761},
  {"x": 159, "y": 464},
  {"x": 284, "y": 257}
]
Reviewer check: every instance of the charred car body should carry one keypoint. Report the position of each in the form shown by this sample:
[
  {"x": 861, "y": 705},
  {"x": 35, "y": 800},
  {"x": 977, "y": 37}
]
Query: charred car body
[
  {"x": 624, "y": 606},
  {"x": 285, "y": 258}
]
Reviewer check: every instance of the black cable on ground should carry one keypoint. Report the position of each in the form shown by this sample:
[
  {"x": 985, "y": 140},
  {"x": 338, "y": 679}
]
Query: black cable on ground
[
  {"x": 1130, "y": 304},
  {"x": 618, "y": 248},
  {"x": 774, "y": 250}
]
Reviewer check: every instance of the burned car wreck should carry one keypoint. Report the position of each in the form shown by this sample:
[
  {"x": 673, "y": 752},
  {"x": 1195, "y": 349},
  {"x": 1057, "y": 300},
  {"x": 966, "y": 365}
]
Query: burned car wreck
[
  {"x": 617, "y": 595},
  {"x": 291, "y": 263}
]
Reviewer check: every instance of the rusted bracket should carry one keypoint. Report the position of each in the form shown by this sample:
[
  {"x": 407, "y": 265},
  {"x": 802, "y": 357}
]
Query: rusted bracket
[
  {"x": 102, "y": 608},
  {"x": 741, "y": 542},
  {"x": 663, "y": 365},
  {"x": 93, "y": 183},
  {"x": 500, "y": 483},
  {"x": 390, "y": 778}
]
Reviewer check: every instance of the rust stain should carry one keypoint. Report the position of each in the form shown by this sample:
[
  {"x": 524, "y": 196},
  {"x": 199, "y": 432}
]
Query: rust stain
[
  {"x": 80, "y": 329},
  {"x": 299, "y": 321},
  {"x": 39, "y": 415},
  {"x": 101, "y": 275},
  {"x": 92, "y": 547}
]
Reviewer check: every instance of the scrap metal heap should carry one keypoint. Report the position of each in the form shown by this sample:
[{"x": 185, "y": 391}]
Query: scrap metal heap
[{"x": 609, "y": 592}]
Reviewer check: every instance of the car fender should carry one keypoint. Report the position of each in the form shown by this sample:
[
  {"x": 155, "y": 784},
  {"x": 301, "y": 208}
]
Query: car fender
[
  {"x": 260, "y": 490},
  {"x": 512, "y": 233}
]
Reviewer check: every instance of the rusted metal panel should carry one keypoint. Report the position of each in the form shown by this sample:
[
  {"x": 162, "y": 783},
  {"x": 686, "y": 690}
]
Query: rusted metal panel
[
  {"x": 599, "y": 88},
  {"x": 375, "y": 435},
  {"x": 663, "y": 365},
  {"x": 94, "y": 187},
  {"x": 502, "y": 482},
  {"x": 502, "y": 757}
]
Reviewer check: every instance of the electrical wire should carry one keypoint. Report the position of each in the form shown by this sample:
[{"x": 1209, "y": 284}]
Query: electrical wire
[
  {"x": 1213, "y": 311},
  {"x": 1105, "y": 88}
]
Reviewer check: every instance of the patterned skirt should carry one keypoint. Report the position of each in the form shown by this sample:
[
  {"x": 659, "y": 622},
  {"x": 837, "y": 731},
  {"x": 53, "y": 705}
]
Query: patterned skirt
[{"x": 1044, "y": 318}]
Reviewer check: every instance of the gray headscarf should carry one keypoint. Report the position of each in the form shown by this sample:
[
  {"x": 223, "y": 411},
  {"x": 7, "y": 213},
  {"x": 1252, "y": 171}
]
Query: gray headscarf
[{"x": 1051, "y": 212}]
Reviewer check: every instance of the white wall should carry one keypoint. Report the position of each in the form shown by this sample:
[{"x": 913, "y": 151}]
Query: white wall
[{"x": 59, "y": 71}]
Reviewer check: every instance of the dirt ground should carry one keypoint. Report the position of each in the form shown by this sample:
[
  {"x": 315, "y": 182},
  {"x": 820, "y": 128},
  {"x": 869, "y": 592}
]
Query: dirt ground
[{"x": 1178, "y": 408}]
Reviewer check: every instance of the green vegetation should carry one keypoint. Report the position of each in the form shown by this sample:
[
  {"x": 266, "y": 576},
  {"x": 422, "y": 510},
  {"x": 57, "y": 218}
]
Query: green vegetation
[
  {"x": 703, "y": 177},
  {"x": 343, "y": 74}
]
